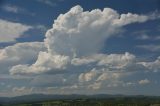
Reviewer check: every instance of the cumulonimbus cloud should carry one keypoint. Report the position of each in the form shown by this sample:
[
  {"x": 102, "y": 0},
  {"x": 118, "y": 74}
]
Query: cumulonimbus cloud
[{"x": 77, "y": 34}]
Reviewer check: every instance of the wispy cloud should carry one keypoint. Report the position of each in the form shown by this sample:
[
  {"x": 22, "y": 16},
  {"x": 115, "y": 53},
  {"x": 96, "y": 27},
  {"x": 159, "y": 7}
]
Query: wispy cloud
[
  {"x": 16, "y": 9},
  {"x": 11, "y": 8},
  {"x": 51, "y": 3},
  {"x": 145, "y": 35},
  {"x": 47, "y": 2},
  {"x": 150, "y": 47}
]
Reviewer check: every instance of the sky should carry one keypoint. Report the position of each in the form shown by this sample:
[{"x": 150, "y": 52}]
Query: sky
[{"x": 79, "y": 47}]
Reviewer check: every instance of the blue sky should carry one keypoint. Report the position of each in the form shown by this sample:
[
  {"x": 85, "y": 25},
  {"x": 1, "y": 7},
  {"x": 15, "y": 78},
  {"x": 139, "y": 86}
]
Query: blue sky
[{"x": 93, "y": 47}]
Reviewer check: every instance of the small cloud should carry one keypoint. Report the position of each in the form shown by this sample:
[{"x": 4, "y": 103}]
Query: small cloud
[
  {"x": 95, "y": 86},
  {"x": 142, "y": 34},
  {"x": 16, "y": 9},
  {"x": 11, "y": 8},
  {"x": 144, "y": 82},
  {"x": 151, "y": 47},
  {"x": 157, "y": 38},
  {"x": 47, "y": 2},
  {"x": 128, "y": 84},
  {"x": 22, "y": 90},
  {"x": 41, "y": 28},
  {"x": 154, "y": 15},
  {"x": 143, "y": 37}
]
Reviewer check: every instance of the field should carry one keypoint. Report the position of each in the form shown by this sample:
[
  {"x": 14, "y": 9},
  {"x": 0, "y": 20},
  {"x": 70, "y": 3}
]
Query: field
[{"x": 96, "y": 102}]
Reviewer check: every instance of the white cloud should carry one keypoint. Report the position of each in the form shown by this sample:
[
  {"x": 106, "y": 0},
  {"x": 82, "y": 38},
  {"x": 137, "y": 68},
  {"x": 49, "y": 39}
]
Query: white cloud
[
  {"x": 82, "y": 61},
  {"x": 51, "y": 61},
  {"x": 73, "y": 47},
  {"x": 20, "y": 53},
  {"x": 16, "y": 9},
  {"x": 144, "y": 82},
  {"x": 44, "y": 63},
  {"x": 108, "y": 76},
  {"x": 152, "y": 65},
  {"x": 88, "y": 76},
  {"x": 101, "y": 78},
  {"x": 130, "y": 18},
  {"x": 79, "y": 33},
  {"x": 117, "y": 61},
  {"x": 95, "y": 86},
  {"x": 76, "y": 26},
  {"x": 113, "y": 60},
  {"x": 11, "y": 30}
]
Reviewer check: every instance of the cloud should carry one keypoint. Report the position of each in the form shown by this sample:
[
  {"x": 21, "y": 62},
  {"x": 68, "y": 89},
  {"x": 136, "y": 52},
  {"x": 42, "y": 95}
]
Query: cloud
[
  {"x": 45, "y": 63},
  {"x": 150, "y": 47},
  {"x": 111, "y": 62},
  {"x": 95, "y": 86},
  {"x": 20, "y": 53},
  {"x": 71, "y": 57},
  {"x": 22, "y": 90},
  {"x": 102, "y": 78},
  {"x": 105, "y": 60},
  {"x": 10, "y": 8},
  {"x": 48, "y": 2},
  {"x": 152, "y": 65},
  {"x": 15, "y": 9},
  {"x": 12, "y": 30},
  {"x": 64, "y": 40},
  {"x": 144, "y": 82},
  {"x": 77, "y": 26},
  {"x": 87, "y": 76},
  {"x": 128, "y": 84},
  {"x": 41, "y": 28},
  {"x": 145, "y": 35}
]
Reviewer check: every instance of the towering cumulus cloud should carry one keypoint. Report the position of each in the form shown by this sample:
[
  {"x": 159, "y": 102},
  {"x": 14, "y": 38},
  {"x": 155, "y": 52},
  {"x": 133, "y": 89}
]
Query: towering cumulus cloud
[
  {"x": 77, "y": 38},
  {"x": 80, "y": 33}
]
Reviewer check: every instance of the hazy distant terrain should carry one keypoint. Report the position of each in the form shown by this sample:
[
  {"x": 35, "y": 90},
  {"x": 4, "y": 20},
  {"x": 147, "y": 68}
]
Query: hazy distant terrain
[{"x": 80, "y": 100}]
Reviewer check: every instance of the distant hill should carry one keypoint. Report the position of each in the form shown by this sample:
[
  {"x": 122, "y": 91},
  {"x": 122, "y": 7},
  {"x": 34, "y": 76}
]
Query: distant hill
[
  {"x": 39, "y": 97},
  {"x": 42, "y": 97}
]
